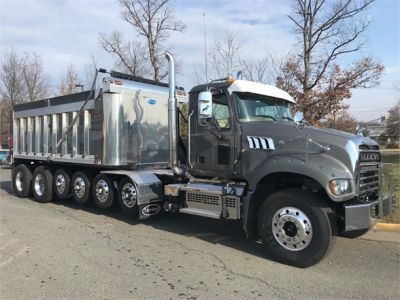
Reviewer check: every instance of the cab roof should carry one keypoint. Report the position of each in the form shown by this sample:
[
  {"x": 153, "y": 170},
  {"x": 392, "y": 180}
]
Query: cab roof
[
  {"x": 246, "y": 86},
  {"x": 259, "y": 88}
]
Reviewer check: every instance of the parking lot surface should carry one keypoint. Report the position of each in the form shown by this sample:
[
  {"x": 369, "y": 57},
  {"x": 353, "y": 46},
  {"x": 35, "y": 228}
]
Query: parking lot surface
[{"x": 62, "y": 250}]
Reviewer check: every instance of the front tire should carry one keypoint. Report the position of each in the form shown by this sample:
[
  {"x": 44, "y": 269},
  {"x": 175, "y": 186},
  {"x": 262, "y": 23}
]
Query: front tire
[
  {"x": 295, "y": 228},
  {"x": 22, "y": 180},
  {"x": 42, "y": 185}
]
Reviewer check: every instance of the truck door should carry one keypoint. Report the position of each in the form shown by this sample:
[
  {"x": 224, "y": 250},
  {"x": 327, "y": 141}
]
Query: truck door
[{"x": 212, "y": 143}]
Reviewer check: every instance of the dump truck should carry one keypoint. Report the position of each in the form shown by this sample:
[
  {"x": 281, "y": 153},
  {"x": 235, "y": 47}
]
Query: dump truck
[{"x": 292, "y": 186}]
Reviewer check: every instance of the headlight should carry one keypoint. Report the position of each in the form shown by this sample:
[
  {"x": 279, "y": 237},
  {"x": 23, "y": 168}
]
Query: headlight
[{"x": 340, "y": 187}]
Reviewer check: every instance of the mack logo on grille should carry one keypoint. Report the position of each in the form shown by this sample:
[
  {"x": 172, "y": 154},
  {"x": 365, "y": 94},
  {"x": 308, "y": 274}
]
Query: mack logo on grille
[
  {"x": 258, "y": 142},
  {"x": 370, "y": 157}
]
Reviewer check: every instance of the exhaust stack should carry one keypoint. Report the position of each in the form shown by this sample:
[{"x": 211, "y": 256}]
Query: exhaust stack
[{"x": 172, "y": 119}]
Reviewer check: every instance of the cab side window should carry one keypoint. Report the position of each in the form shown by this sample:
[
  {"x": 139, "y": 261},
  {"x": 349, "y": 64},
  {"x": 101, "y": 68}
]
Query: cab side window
[{"x": 221, "y": 114}]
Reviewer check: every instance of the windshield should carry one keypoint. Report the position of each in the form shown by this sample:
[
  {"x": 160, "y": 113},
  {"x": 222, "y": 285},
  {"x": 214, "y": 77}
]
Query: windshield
[{"x": 254, "y": 108}]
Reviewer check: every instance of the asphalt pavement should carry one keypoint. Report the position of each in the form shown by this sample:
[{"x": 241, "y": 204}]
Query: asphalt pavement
[{"x": 62, "y": 250}]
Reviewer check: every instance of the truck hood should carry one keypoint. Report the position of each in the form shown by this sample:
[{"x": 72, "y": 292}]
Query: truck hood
[{"x": 287, "y": 139}]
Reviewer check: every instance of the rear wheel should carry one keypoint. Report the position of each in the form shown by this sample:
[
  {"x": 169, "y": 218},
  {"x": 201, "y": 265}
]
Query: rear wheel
[
  {"x": 127, "y": 196},
  {"x": 295, "y": 228},
  {"x": 80, "y": 187},
  {"x": 42, "y": 185},
  {"x": 62, "y": 184},
  {"x": 103, "y": 191},
  {"x": 21, "y": 180}
]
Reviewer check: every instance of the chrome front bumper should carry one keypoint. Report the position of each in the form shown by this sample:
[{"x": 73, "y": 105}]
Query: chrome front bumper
[{"x": 358, "y": 216}]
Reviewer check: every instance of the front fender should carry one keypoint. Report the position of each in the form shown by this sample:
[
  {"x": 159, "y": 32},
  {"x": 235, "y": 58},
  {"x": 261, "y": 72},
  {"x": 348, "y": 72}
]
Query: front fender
[{"x": 321, "y": 167}]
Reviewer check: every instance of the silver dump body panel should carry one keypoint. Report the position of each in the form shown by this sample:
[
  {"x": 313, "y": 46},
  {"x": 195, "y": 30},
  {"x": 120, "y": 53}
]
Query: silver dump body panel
[{"x": 127, "y": 125}]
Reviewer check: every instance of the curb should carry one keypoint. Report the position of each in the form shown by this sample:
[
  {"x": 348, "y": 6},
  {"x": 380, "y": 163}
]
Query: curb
[{"x": 387, "y": 227}]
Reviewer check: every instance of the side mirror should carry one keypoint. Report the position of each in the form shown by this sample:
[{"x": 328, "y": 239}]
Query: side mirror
[
  {"x": 299, "y": 119},
  {"x": 205, "y": 105}
]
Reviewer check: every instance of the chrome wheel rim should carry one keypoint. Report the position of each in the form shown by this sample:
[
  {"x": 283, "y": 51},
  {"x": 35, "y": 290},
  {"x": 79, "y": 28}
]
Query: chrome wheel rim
[
  {"x": 102, "y": 190},
  {"x": 19, "y": 181},
  {"x": 39, "y": 184},
  {"x": 79, "y": 187},
  {"x": 292, "y": 228},
  {"x": 129, "y": 195},
  {"x": 60, "y": 183}
]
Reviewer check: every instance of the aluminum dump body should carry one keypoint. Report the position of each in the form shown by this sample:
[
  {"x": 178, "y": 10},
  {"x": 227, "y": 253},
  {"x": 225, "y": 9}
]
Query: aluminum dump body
[{"x": 124, "y": 125}]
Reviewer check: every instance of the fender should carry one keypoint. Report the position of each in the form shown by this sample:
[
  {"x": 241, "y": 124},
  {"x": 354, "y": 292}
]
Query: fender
[
  {"x": 320, "y": 167},
  {"x": 321, "y": 170}
]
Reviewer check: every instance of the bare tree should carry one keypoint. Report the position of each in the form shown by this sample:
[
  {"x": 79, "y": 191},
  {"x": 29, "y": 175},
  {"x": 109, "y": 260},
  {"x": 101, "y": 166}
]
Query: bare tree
[
  {"x": 36, "y": 85},
  {"x": 131, "y": 57},
  {"x": 223, "y": 58},
  {"x": 89, "y": 72},
  {"x": 259, "y": 69},
  {"x": 152, "y": 20},
  {"x": 22, "y": 78},
  {"x": 329, "y": 30},
  {"x": 12, "y": 87},
  {"x": 69, "y": 84},
  {"x": 224, "y": 55}
]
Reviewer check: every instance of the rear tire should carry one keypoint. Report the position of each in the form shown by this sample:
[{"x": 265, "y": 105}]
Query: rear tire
[
  {"x": 42, "y": 185},
  {"x": 295, "y": 228},
  {"x": 103, "y": 191},
  {"x": 62, "y": 182},
  {"x": 80, "y": 187},
  {"x": 127, "y": 197},
  {"x": 21, "y": 181}
]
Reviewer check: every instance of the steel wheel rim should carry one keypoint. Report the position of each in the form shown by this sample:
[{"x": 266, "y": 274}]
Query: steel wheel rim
[
  {"x": 19, "y": 180},
  {"x": 39, "y": 184},
  {"x": 60, "y": 183},
  {"x": 79, "y": 187},
  {"x": 102, "y": 190},
  {"x": 129, "y": 195},
  {"x": 292, "y": 228}
]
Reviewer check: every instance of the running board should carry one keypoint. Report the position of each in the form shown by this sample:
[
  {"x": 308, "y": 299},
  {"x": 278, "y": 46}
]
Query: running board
[{"x": 200, "y": 212}]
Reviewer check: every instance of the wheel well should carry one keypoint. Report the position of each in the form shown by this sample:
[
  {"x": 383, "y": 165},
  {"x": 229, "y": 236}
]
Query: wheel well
[{"x": 272, "y": 183}]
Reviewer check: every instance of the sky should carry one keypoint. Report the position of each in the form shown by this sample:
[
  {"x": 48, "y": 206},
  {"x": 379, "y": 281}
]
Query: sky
[{"x": 65, "y": 32}]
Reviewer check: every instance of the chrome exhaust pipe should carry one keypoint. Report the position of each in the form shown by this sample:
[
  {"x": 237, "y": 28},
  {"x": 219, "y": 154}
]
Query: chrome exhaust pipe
[{"x": 172, "y": 118}]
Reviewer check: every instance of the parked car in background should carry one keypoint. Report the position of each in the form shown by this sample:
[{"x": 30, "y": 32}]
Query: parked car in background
[{"x": 5, "y": 157}]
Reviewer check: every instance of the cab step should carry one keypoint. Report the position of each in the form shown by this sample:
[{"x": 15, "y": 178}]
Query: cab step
[{"x": 200, "y": 212}]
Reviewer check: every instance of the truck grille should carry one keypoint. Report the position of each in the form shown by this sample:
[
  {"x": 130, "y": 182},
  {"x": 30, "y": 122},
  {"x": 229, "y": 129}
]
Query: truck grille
[
  {"x": 369, "y": 180},
  {"x": 203, "y": 198}
]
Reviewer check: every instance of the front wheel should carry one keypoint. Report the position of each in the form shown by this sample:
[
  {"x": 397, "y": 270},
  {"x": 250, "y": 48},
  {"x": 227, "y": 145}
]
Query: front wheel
[{"x": 295, "y": 228}]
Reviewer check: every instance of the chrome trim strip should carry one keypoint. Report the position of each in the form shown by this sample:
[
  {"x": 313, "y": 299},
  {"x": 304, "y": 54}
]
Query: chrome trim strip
[{"x": 70, "y": 107}]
